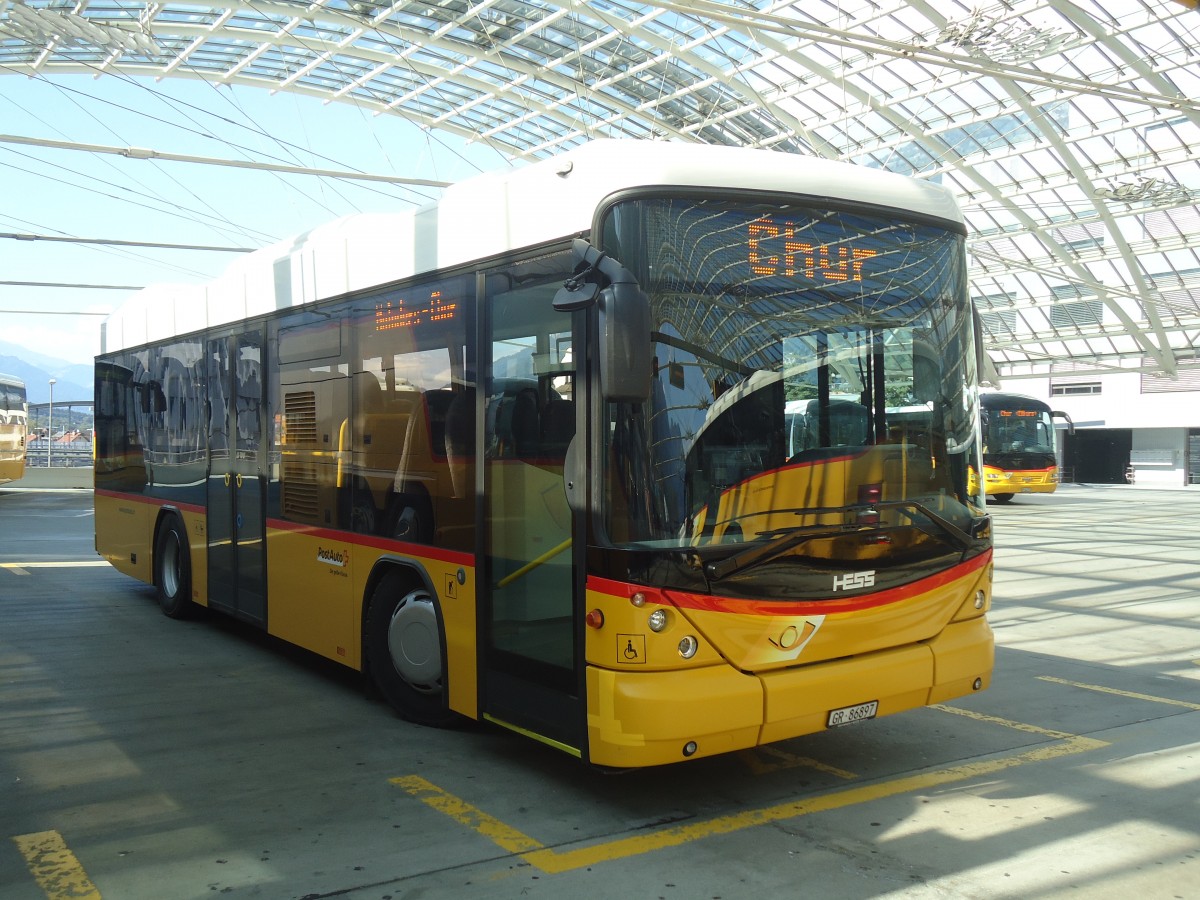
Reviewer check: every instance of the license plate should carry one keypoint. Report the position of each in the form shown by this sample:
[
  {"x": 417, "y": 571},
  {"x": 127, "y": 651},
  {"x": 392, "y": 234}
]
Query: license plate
[{"x": 849, "y": 714}]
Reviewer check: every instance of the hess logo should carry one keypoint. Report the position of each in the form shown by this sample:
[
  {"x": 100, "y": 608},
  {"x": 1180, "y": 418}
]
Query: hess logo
[{"x": 852, "y": 581}]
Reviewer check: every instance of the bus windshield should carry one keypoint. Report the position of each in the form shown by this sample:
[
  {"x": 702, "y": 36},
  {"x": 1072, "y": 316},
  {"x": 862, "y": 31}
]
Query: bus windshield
[
  {"x": 1016, "y": 427},
  {"x": 813, "y": 369}
]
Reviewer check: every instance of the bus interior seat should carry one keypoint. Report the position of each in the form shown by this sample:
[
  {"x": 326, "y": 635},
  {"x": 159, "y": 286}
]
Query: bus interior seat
[
  {"x": 368, "y": 404},
  {"x": 523, "y": 425},
  {"x": 437, "y": 404},
  {"x": 558, "y": 425},
  {"x": 459, "y": 435}
]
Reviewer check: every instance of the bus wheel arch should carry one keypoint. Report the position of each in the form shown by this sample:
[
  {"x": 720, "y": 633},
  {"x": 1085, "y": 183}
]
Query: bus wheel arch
[
  {"x": 172, "y": 565},
  {"x": 404, "y": 645},
  {"x": 1001, "y": 498}
]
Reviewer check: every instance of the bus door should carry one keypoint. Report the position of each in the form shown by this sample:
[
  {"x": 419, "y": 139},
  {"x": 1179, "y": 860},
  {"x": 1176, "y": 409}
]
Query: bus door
[
  {"x": 530, "y": 597},
  {"x": 236, "y": 476}
]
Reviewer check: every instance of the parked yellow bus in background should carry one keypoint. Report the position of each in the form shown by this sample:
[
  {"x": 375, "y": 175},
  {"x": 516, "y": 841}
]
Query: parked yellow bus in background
[
  {"x": 1019, "y": 453},
  {"x": 519, "y": 456},
  {"x": 14, "y": 425}
]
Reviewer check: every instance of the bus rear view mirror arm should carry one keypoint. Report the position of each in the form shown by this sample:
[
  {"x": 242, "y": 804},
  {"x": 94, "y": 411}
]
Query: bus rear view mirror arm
[{"x": 624, "y": 315}]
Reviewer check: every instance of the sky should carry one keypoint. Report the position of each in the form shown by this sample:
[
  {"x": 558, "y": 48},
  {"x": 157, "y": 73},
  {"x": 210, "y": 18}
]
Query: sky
[{"x": 71, "y": 193}]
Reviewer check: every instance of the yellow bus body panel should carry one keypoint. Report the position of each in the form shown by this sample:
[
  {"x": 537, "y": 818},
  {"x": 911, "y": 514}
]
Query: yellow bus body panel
[
  {"x": 755, "y": 641},
  {"x": 648, "y": 718},
  {"x": 1020, "y": 481},
  {"x": 125, "y": 539},
  {"x": 762, "y": 674},
  {"x": 124, "y": 531},
  {"x": 644, "y": 719},
  {"x": 319, "y": 583},
  {"x": 310, "y": 586},
  {"x": 196, "y": 523}
]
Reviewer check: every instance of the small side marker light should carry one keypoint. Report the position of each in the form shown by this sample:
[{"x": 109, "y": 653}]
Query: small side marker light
[
  {"x": 594, "y": 619},
  {"x": 978, "y": 685},
  {"x": 690, "y": 748}
]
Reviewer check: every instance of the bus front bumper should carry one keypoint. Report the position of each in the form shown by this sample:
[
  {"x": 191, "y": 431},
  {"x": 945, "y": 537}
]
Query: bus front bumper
[{"x": 653, "y": 718}]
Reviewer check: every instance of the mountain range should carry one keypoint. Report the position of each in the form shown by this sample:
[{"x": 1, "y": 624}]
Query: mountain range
[{"x": 73, "y": 380}]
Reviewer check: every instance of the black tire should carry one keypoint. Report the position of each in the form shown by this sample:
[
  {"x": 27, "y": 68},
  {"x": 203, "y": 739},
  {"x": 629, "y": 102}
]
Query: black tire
[
  {"x": 1002, "y": 498},
  {"x": 405, "y": 649},
  {"x": 173, "y": 570},
  {"x": 363, "y": 517}
]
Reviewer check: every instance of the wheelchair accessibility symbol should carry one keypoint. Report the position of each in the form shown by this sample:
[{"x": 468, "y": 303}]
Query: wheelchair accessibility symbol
[{"x": 631, "y": 648}]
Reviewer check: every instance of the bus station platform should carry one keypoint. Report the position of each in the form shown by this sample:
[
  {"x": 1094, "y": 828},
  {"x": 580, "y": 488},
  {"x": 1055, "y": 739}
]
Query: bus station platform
[{"x": 142, "y": 757}]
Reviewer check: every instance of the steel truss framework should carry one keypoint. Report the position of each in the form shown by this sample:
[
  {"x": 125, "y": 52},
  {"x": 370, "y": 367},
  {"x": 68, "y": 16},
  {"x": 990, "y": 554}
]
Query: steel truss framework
[{"x": 1067, "y": 129}]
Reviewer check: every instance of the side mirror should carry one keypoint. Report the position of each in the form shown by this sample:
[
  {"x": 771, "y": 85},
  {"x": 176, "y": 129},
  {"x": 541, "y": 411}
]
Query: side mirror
[
  {"x": 625, "y": 359},
  {"x": 624, "y": 312},
  {"x": 1056, "y": 414}
]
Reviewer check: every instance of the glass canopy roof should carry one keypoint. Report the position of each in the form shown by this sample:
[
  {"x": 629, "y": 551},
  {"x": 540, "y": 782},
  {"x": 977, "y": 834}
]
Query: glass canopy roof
[{"x": 1067, "y": 129}]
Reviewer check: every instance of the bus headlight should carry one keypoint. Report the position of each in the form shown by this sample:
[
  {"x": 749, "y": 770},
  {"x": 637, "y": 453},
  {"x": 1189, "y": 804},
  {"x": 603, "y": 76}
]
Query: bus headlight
[
  {"x": 688, "y": 647},
  {"x": 657, "y": 620}
]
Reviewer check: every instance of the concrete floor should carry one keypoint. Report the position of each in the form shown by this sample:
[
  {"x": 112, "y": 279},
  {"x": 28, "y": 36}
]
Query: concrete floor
[{"x": 146, "y": 758}]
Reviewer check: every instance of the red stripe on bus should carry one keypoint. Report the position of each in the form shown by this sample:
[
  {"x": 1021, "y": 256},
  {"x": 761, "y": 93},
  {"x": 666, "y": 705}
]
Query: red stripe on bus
[
  {"x": 156, "y": 502},
  {"x": 455, "y": 557},
  {"x": 715, "y": 603}
]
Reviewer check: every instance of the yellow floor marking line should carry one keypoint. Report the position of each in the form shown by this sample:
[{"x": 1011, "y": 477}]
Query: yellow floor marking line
[
  {"x": 783, "y": 760},
  {"x": 55, "y": 867},
  {"x": 22, "y": 568},
  {"x": 64, "y": 564},
  {"x": 1131, "y": 694},
  {"x": 1008, "y": 723},
  {"x": 552, "y": 861},
  {"x": 462, "y": 812}
]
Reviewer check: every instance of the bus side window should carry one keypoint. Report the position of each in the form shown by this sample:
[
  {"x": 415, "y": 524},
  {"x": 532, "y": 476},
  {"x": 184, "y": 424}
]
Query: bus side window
[{"x": 249, "y": 396}]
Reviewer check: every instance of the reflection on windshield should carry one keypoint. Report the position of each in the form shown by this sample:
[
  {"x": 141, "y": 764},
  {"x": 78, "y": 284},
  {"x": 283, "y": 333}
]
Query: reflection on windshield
[
  {"x": 784, "y": 387},
  {"x": 1018, "y": 431}
]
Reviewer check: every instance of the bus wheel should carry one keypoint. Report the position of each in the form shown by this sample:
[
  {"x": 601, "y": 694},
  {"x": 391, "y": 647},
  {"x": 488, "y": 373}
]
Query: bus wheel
[
  {"x": 173, "y": 570},
  {"x": 411, "y": 520},
  {"x": 1002, "y": 498},
  {"x": 362, "y": 516},
  {"x": 404, "y": 650}
]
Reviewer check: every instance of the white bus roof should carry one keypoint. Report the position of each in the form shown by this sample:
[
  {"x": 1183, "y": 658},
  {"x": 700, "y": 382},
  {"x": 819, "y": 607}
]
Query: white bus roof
[{"x": 487, "y": 215}]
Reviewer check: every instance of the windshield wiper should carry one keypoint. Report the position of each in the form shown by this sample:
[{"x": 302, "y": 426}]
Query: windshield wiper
[
  {"x": 961, "y": 539},
  {"x": 794, "y": 537},
  {"x": 790, "y": 538}
]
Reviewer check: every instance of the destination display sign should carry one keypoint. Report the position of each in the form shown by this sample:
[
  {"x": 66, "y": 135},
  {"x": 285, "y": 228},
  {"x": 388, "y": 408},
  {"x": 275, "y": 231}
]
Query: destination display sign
[
  {"x": 774, "y": 249},
  {"x": 401, "y": 312}
]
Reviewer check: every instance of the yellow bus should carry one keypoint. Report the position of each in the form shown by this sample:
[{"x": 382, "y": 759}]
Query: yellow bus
[
  {"x": 519, "y": 456},
  {"x": 14, "y": 423},
  {"x": 1018, "y": 445}
]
